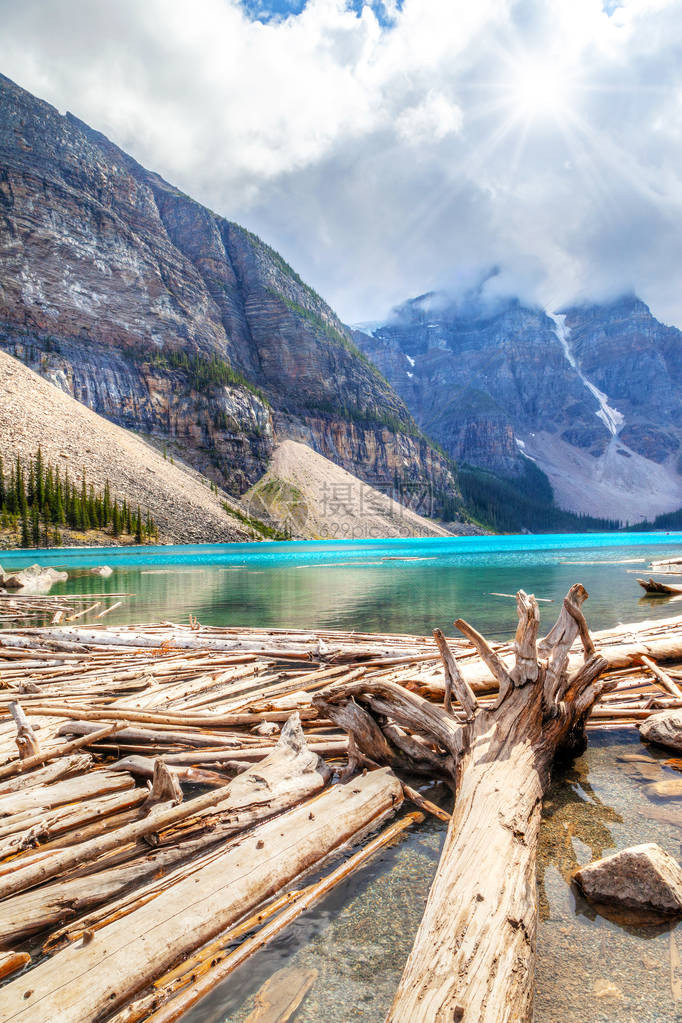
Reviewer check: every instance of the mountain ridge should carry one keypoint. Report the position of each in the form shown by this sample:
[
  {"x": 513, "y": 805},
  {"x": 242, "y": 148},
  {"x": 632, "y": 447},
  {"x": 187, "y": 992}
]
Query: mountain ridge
[
  {"x": 175, "y": 322},
  {"x": 591, "y": 394}
]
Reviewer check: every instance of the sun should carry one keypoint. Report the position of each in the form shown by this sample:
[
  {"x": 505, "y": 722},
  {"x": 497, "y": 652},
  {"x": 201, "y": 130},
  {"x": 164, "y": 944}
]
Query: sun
[{"x": 538, "y": 90}]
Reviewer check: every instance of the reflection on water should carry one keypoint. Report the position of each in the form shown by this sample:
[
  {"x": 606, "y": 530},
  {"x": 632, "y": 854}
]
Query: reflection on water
[
  {"x": 376, "y": 587},
  {"x": 590, "y": 970}
]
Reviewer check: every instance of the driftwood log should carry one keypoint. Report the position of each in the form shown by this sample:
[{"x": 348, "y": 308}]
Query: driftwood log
[
  {"x": 474, "y": 955},
  {"x": 90, "y": 979}
]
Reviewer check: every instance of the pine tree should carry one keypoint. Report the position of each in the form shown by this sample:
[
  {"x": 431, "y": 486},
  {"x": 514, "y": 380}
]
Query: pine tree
[
  {"x": 116, "y": 520},
  {"x": 35, "y": 525},
  {"x": 25, "y": 536},
  {"x": 47, "y": 502},
  {"x": 39, "y": 477},
  {"x": 12, "y": 499},
  {"x": 138, "y": 526},
  {"x": 83, "y": 503},
  {"x": 107, "y": 504},
  {"x": 20, "y": 485}
]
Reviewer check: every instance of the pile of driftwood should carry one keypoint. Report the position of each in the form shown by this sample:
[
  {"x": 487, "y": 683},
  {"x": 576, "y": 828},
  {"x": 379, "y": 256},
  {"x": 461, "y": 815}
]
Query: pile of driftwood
[
  {"x": 21, "y": 607},
  {"x": 178, "y": 792}
]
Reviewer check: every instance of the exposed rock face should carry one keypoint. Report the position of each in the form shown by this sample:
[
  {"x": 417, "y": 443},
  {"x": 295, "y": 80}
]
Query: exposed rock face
[
  {"x": 637, "y": 361},
  {"x": 476, "y": 376},
  {"x": 109, "y": 275},
  {"x": 665, "y": 729},
  {"x": 592, "y": 394},
  {"x": 73, "y": 438},
  {"x": 643, "y": 878}
]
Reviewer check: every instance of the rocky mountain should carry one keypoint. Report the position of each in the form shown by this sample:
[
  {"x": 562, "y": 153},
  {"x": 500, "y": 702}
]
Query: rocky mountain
[
  {"x": 591, "y": 394},
  {"x": 174, "y": 322},
  {"x": 303, "y": 495},
  {"x": 72, "y": 438}
]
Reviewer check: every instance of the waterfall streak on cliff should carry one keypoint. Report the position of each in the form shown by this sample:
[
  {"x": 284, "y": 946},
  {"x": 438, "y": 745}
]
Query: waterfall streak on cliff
[{"x": 612, "y": 419}]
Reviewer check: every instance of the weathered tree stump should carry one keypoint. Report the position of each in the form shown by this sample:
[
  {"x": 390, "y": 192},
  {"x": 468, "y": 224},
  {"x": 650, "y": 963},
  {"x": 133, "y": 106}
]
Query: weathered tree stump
[
  {"x": 26, "y": 739},
  {"x": 474, "y": 955}
]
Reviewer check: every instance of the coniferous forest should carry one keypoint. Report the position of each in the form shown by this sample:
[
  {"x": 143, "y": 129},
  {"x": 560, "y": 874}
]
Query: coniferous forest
[{"x": 40, "y": 503}]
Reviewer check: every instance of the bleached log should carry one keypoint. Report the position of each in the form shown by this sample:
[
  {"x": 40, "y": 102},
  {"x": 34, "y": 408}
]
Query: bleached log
[
  {"x": 281, "y": 995},
  {"x": 473, "y": 957},
  {"x": 85, "y": 980},
  {"x": 59, "y": 768},
  {"x": 212, "y": 964},
  {"x": 165, "y": 787},
  {"x": 24, "y": 831},
  {"x": 43, "y": 797},
  {"x": 474, "y": 954},
  {"x": 404, "y": 708},
  {"x": 293, "y": 768},
  {"x": 18, "y": 766},
  {"x": 454, "y": 683}
]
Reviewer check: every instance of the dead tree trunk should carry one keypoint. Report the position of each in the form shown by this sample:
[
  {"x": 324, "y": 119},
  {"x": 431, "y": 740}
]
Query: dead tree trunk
[
  {"x": 474, "y": 955},
  {"x": 26, "y": 740}
]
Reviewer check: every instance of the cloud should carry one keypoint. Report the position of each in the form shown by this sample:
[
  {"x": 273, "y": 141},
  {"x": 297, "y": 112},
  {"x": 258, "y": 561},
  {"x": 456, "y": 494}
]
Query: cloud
[{"x": 392, "y": 148}]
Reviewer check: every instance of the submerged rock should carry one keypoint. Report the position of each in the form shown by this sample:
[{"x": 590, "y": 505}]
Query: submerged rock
[
  {"x": 607, "y": 990},
  {"x": 664, "y": 728},
  {"x": 643, "y": 878},
  {"x": 104, "y": 571},
  {"x": 35, "y": 578},
  {"x": 668, "y": 788}
]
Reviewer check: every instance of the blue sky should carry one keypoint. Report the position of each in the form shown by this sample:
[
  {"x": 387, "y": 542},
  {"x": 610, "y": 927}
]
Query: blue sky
[
  {"x": 266, "y": 10},
  {"x": 389, "y": 149}
]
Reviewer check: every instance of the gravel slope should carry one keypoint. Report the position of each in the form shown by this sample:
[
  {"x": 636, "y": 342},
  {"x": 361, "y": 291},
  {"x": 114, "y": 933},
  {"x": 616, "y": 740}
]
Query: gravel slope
[
  {"x": 304, "y": 491},
  {"x": 34, "y": 412},
  {"x": 619, "y": 484}
]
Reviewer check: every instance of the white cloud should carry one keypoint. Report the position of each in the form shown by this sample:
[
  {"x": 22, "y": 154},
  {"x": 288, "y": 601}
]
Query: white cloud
[
  {"x": 388, "y": 159},
  {"x": 433, "y": 119}
]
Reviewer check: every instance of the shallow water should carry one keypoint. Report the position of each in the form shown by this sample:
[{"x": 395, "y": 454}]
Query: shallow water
[
  {"x": 371, "y": 586},
  {"x": 590, "y": 970}
]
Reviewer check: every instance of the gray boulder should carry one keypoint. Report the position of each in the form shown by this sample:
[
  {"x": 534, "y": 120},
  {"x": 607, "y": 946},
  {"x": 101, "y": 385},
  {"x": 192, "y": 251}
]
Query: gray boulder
[
  {"x": 664, "y": 728},
  {"x": 104, "y": 571},
  {"x": 643, "y": 878},
  {"x": 34, "y": 579}
]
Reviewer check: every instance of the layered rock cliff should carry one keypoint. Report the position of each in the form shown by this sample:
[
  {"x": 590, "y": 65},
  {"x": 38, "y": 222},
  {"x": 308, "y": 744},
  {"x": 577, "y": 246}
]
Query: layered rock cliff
[
  {"x": 171, "y": 320},
  {"x": 591, "y": 394}
]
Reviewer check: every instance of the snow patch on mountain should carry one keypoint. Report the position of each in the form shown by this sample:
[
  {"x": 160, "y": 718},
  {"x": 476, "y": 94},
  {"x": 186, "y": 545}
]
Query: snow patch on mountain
[{"x": 612, "y": 419}]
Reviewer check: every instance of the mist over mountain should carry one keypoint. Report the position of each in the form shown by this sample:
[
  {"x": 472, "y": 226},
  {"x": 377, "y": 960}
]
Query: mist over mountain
[{"x": 591, "y": 393}]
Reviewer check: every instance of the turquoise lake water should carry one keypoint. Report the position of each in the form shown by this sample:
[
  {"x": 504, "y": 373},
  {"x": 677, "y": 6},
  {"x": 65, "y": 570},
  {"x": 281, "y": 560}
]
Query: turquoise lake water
[{"x": 377, "y": 586}]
